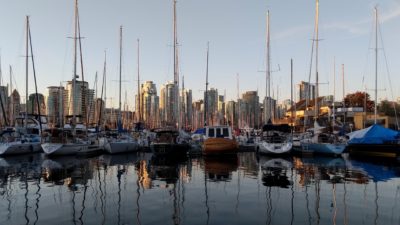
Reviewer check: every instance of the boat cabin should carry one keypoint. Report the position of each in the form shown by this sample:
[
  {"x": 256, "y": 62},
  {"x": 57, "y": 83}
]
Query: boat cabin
[{"x": 219, "y": 132}]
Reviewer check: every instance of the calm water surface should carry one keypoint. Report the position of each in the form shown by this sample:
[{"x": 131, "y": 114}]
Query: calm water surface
[{"x": 244, "y": 189}]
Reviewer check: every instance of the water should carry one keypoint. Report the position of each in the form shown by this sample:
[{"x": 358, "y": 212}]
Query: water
[{"x": 245, "y": 189}]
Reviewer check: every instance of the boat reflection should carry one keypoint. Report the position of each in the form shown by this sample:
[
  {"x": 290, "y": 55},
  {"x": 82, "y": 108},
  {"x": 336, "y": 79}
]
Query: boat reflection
[
  {"x": 220, "y": 168},
  {"x": 274, "y": 171},
  {"x": 67, "y": 170},
  {"x": 141, "y": 189}
]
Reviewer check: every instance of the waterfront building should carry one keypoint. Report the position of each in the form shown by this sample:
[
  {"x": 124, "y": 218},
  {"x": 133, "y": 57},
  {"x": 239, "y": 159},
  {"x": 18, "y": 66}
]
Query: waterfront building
[
  {"x": 212, "y": 106},
  {"x": 283, "y": 108},
  {"x": 167, "y": 105},
  {"x": 149, "y": 105},
  {"x": 231, "y": 114},
  {"x": 198, "y": 114},
  {"x": 186, "y": 109},
  {"x": 56, "y": 105},
  {"x": 83, "y": 100},
  {"x": 269, "y": 109},
  {"x": 221, "y": 110},
  {"x": 14, "y": 108},
  {"x": 303, "y": 87},
  {"x": 250, "y": 110},
  {"x": 33, "y": 104}
]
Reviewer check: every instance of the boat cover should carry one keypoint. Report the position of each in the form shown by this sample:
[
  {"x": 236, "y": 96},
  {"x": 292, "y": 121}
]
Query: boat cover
[{"x": 375, "y": 134}]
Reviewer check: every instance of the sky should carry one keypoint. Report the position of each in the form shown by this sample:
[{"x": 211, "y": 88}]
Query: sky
[{"x": 235, "y": 29}]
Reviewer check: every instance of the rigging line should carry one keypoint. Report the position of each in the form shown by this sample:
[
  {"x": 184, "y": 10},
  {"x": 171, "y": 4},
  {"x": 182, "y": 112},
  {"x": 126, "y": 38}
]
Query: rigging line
[{"x": 389, "y": 78}]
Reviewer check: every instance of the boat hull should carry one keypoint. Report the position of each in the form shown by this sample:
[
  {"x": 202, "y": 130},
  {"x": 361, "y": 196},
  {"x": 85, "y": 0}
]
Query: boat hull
[
  {"x": 63, "y": 149},
  {"x": 264, "y": 147},
  {"x": 18, "y": 148},
  {"x": 322, "y": 148},
  {"x": 382, "y": 150},
  {"x": 116, "y": 147},
  {"x": 219, "y": 146}
]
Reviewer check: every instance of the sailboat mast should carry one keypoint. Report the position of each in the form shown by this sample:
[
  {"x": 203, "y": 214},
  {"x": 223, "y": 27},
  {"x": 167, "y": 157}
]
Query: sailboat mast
[
  {"x": 176, "y": 76},
  {"x": 376, "y": 66},
  {"x": 344, "y": 103},
  {"x": 334, "y": 89},
  {"x": 291, "y": 92},
  {"x": 26, "y": 72},
  {"x": 75, "y": 61},
  {"x": 268, "y": 73},
  {"x": 316, "y": 60},
  {"x": 120, "y": 76},
  {"x": 206, "y": 94},
  {"x": 138, "y": 81}
]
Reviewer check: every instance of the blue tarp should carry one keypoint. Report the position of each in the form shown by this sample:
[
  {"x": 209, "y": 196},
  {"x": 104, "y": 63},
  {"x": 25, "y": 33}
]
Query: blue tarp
[
  {"x": 375, "y": 134},
  {"x": 200, "y": 131}
]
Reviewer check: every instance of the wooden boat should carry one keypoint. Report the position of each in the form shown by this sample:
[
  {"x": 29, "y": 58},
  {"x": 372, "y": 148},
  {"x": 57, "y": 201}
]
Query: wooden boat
[{"x": 219, "y": 140}]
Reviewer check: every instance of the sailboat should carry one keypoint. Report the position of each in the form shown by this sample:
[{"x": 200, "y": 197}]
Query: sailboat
[
  {"x": 172, "y": 140},
  {"x": 316, "y": 140},
  {"x": 72, "y": 138},
  {"x": 275, "y": 138},
  {"x": 375, "y": 140},
  {"x": 123, "y": 142},
  {"x": 26, "y": 136}
]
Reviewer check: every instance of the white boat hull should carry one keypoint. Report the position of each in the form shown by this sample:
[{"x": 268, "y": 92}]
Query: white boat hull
[
  {"x": 264, "y": 147},
  {"x": 17, "y": 147},
  {"x": 64, "y": 149},
  {"x": 120, "y": 146}
]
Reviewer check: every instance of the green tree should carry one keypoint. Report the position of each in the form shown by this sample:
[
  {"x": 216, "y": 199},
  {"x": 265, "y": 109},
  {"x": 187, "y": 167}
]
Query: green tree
[{"x": 387, "y": 108}]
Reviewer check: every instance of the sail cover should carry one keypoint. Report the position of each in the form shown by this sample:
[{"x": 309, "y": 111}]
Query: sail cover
[{"x": 375, "y": 134}]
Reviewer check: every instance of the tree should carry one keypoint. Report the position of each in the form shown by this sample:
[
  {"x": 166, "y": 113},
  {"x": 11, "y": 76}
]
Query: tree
[
  {"x": 387, "y": 108},
  {"x": 358, "y": 100}
]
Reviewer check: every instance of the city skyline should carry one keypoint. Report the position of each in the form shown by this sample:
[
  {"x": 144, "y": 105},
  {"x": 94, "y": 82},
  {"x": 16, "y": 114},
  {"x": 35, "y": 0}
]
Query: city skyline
[{"x": 235, "y": 29}]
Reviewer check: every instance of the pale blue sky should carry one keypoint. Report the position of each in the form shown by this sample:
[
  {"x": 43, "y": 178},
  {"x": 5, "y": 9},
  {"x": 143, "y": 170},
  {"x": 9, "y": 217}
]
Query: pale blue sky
[{"x": 235, "y": 29}]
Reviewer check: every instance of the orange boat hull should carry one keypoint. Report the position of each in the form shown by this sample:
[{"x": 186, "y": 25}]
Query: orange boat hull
[{"x": 219, "y": 146}]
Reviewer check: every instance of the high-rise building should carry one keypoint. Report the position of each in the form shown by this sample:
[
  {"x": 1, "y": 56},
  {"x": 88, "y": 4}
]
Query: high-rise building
[
  {"x": 149, "y": 104},
  {"x": 269, "y": 109},
  {"x": 303, "y": 87},
  {"x": 186, "y": 108},
  {"x": 83, "y": 100},
  {"x": 230, "y": 114},
  {"x": 167, "y": 97},
  {"x": 251, "y": 109},
  {"x": 14, "y": 106},
  {"x": 33, "y": 104},
  {"x": 56, "y": 105},
  {"x": 197, "y": 114},
  {"x": 212, "y": 106}
]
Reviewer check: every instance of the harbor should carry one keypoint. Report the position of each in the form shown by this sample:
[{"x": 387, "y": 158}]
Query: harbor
[
  {"x": 139, "y": 188},
  {"x": 137, "y": 124}
]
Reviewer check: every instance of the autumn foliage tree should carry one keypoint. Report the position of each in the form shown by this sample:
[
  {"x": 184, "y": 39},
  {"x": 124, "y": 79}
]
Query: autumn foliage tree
[{"x": 358, "y": 100}]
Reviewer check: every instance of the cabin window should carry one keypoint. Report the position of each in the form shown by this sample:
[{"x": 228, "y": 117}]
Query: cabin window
[
  {"x": 225, "y": 132},
  {"x": 211, "y": 133},
  {"x": 219, "y": 133}
]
